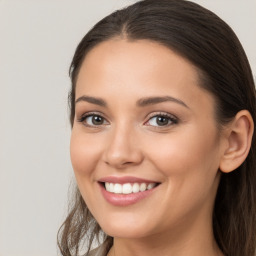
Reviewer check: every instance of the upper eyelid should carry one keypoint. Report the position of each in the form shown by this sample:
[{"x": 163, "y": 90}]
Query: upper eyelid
[
  {"x": 157, "y": 113},
  {"x": 91, "y": 113},
  {"x": 84, "y": 116},
  {"x": 161, "y": 113},
  {"x": 148, "y": 117},
  {"x": 174, "y": 119}
]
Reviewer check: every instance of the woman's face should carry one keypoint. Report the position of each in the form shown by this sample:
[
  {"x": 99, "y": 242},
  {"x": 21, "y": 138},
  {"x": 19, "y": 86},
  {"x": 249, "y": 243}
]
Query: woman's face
[{"x": 143, "y": 122}]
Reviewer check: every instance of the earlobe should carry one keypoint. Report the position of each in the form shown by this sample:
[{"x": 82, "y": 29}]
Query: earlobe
[{"x": 239, "y": 141}]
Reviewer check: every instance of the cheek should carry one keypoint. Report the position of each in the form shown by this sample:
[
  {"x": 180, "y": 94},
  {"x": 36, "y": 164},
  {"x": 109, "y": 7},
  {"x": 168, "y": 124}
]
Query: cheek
[
  {"x": 190, "y": 168},
  {"x": 186, "y": 155},
  {"x": 84, "y": 153}
]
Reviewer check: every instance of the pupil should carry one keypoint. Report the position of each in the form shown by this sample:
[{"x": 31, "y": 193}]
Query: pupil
[
  {"x": 97, "y": 120},
  {"x": 162, "y": 120}
]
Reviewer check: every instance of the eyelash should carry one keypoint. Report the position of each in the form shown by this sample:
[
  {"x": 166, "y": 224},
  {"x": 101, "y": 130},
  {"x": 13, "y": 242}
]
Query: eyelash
[
  {"x": 91, "y": 114},
  {"x": 172, "y": 120}
]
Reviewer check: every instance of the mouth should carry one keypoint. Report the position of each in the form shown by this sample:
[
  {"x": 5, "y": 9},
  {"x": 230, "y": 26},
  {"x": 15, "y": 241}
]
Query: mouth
[
  {"x": 128, "y": 188},
  {"x": 124, "y": 191}
]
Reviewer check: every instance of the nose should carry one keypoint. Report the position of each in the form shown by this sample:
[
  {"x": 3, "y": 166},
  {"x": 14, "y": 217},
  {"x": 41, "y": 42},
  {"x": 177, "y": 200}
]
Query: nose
[{"x": 122, "y": 149}]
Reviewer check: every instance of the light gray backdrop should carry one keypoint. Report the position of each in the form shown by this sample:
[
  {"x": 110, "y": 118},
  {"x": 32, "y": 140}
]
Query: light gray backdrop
[{"x": 37, "y": 41}]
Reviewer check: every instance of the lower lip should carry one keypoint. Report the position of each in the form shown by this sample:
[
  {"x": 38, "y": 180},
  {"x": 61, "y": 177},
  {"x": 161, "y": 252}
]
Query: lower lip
[{"x": 125, "y": 200}]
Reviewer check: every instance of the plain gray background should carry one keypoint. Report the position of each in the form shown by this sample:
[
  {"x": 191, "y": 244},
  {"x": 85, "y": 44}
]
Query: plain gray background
[{"x": 37, "y": 41}]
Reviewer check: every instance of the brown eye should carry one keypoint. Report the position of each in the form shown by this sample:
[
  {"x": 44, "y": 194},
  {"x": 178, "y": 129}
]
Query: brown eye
[
  {"x": 93, "y": 120},
  {"x": 162, "y": 120},
  {"x": 97, "y": 120}
]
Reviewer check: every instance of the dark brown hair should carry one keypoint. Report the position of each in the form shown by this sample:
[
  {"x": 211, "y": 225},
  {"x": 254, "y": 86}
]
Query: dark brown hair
[{"x": 210, "y": 44}]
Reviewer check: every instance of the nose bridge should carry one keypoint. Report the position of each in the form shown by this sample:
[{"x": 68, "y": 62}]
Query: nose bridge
[{"x": 122, "y": 148}]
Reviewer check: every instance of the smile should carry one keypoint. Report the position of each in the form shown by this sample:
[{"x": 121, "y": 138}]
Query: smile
[
  {"x": 128, "y": 188},
  {"x": 125, "y": 191}
]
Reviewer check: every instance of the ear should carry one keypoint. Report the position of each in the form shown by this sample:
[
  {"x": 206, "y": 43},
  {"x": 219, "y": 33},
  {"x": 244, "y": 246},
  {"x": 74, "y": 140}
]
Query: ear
[{"x": 239, "y": 138}]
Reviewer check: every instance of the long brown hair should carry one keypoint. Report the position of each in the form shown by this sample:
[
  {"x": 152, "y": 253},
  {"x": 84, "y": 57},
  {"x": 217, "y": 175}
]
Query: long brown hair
[{"x": 210, "y": 44}]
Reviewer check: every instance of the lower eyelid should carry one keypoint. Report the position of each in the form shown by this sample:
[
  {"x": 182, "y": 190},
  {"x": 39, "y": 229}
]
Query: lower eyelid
[
  {"x": 93, "y": 116},
  {"x": 172, "y": 118},
  {"x": 171, "y": 122}
]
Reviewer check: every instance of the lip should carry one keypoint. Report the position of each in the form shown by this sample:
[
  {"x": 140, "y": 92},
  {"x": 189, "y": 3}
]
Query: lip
[
  {"x": 125, "y": 199},
  {"x": 125, "y": 179}
]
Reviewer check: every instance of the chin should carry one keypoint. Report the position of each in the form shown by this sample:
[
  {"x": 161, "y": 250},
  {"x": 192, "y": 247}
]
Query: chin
[{"x": 124, "y": 229}]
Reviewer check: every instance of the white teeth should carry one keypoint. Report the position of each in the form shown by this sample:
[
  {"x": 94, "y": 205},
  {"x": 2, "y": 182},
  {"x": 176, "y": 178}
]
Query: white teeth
[
  {"x": 150, "y": 185},
  {"x": 143, "y": 187},
  {"x": 118, "y": 189},
  {"x": 111, "y": 187},
  {"x": 135, "y": 188},
  {"x": 107, "y": 185},
  {"x": 128, "y": 188}
]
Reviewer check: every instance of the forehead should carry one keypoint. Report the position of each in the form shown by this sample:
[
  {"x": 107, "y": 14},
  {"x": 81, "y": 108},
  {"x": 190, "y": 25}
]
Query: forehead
[
  {"x": 138, "y": 68},
  {"x": 140, "y": 55},
  {"x": 135, "y": 59}
]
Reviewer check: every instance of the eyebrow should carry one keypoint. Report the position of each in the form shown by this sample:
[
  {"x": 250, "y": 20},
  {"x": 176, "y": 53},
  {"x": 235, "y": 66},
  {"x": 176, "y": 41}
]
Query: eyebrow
[
  {"x": 93, "y": 100},
  {"x": 141, "y": 102},
  {"x": 155, "y": 100}
]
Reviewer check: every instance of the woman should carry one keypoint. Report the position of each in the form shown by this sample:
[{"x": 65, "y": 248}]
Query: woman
[{"x": 163, "y": 109}]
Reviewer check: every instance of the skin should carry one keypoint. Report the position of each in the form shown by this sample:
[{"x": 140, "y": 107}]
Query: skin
[{"x": 183, "y": 156}]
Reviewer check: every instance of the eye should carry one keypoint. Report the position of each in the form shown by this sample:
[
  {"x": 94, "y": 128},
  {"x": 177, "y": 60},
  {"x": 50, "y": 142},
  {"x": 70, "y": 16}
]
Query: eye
[
  {"x": 93, "y": 120},
  {"x": 162, "y": 120}
]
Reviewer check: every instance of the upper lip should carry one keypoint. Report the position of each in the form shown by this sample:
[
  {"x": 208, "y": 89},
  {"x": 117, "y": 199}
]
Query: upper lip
[{"x": 125, "y": 179}]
